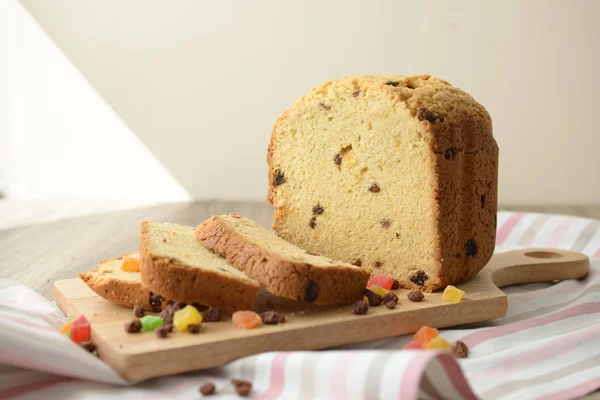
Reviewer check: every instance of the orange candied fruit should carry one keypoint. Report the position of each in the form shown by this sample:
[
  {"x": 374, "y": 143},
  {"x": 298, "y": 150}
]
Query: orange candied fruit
[
  {"x": 130, "y": 264},
  {"x": 425, "y": 335},
  {"x": 246, "y": 319}
]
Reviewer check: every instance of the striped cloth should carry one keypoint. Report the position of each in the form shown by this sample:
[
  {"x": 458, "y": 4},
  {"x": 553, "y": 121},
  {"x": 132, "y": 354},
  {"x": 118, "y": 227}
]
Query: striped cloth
[{"x": 547, "y": 347}]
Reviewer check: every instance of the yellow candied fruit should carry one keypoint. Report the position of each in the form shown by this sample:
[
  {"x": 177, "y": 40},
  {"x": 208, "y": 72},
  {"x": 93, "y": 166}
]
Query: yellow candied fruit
[
  {"x": 188, "y": 315},
  {"x": 130, "y": 264},
  {"x": 66, "y": 327},
  {"x": 379, "y": 290},
  {"x": 438, "y": 343},
  {"x": 452, "y": 294}
]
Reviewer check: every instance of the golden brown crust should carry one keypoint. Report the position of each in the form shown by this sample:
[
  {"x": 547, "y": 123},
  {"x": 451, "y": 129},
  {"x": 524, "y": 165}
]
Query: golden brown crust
[
  {"x": 188, "y": 284},
  {"x": 283, "y": 276}
]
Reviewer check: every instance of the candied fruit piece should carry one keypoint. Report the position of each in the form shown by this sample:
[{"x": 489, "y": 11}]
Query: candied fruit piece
[
  {"x": 425, "y": 334},
  {"x": 246, "y": 319},
  {"x": 438, "y": 342},
  {"x": 80, "y": 330},
  {"x": 66, "y": 327},
  {"x": 414, "y": 345},
  {"x": 188, "y": 315},
  {"x": 151, "y": 322},
  {"x": 130, "y": 264},
  {"x": 379, "y": 290},
  {"x": 452, "y": 294}
]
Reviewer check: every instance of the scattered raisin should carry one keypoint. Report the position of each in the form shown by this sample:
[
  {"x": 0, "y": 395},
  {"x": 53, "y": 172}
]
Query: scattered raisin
[
  {"x": 234, "y": 215},
  {"x": 207, "y": 389},
  {"x": 318, "y": 210},
  {"x": 313, "y": 222},
  {"x": 360, "y": 307},
  {"x": 155, "y": 301},
  {"x": 450, "y": 153},
  {"x": 374, "y": 298},
  {"x": 133, "y": 326},
  {"x": 419, "y": 278},
  {"x": 272, "y": 318},
  {"x": 213, "y": 314},
  {"x": 324, "y": 106},
  {"x": 355, "y": 94},
  {"x": 89, "y": 346},
  {"x": 162, "y": 332},
  {"x": 178, "y": 305},
  {"x": 377, "y": 264},
  {"x": 168, "y": 327},
  {"x": 386, "y": 223},
  {"x": 415, "y": 296},
  {"x": 358, "y": 263},
  {"x": 244, "y": 388},
  {"x": 278, "y": 178},
  {"x": 392, "y": 83},
  {"x": 374, "y": 188},
  {"x": 395, "y": 284},
  {"x": 424, "y": 114},
  {"x": 139, "y": 311},
  {"x": 471, "y": 248},
  {"x": 482, "y": 199},
  {"x": 460, "y": 350},
  {"x": 194, "y": 328},
  {"x": 311, "y": 292},
  {"x": 390, "y": 300},
  {"x": 337, "y": 159}
]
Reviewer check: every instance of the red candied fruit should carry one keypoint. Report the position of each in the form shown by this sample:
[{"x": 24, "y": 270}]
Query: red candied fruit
[
  {"x": 414, "y": 345},
  {"x": 80, "y": 330},
  {"x": 382, "y": 281}
]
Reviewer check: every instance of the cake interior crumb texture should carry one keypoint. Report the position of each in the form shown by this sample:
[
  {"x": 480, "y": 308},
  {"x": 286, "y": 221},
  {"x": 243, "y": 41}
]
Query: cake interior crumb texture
[{"x": 396, "y": 174}]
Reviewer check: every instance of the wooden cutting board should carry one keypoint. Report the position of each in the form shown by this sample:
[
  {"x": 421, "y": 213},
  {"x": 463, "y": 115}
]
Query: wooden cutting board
[{"x": 309, "y": 327}]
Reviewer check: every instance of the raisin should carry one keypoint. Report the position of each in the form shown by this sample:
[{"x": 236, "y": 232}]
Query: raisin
[
  {"x": 207, "y": 389},
  {"x": 374, "y": 188},
  {"x": 419, "y": 278},
  {"x": 89, "y": 346},
  {"x": 390, "y": 300},
  {"x": 139, "y": 311},
  {"x": 392, "y": 83},
  {"x": 377, "y": 264},
  {"x": 355, "y": 94},
  {"x": 242, "y": 388},
  {"x": 155, "y": 301},
  {"x": 133, "y": 326},
  {"x": 358, "y": 263},
  {"x": 324, "y": 106},
  {"x": 278, "y": 178},
  {"x": 471, "y": 248},
  {"x": 313, "y": 222},
  {"x": 178, "y": 305},
  {"x": 450, "y": 153},
  {"x": 272, "y": 318},
  {"x": 337, "y": 159},
  {"x": 460, "y": 350},
  {"x": 213, "y": 314},
  {"x": 162, "y": 332},
  {"x": 395, "y": 284},
  {"x": 360, "y": 307},
  {"x": 194, "y": 328},
  {"x": 318, "y": 210},
  {"x": 424, "y": 114},
  {"x": 311, "y": 292},
  {"x": 234, "y": 215},
  {"x": 482, "y": 199},
  {"x": 168, "y": 327},
  {"x": 415, "y": 296},
  {"x": 374, "y": 298},
  {"x": 386, "y": 223}
]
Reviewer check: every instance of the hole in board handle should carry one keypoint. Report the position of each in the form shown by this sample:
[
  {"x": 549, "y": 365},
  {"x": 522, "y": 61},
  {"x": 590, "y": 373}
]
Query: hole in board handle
[{"x": 543, "y": 254}]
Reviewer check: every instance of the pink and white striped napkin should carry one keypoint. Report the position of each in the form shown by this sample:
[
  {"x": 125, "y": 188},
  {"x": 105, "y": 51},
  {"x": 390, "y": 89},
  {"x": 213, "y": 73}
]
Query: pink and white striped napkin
[{"x": 547, "y": 347}]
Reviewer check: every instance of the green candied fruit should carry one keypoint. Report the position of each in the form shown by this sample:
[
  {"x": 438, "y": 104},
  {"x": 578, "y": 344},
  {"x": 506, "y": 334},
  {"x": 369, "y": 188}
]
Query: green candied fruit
[{"x": 151, "y": 322}]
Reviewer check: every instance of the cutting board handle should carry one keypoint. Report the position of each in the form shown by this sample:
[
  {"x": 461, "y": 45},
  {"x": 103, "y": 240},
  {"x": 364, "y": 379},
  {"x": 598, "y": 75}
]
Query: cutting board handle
[{"x": 537, "y": 265}]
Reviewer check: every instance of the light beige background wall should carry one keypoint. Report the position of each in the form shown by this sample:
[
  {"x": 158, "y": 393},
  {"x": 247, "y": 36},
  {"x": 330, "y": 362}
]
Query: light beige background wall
[{"x": 201, "y": 83}]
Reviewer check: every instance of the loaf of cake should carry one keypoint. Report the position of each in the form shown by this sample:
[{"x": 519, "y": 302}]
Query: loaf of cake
[
  {"x": 176, "y": 266},
  {"x": 395, "y": 174},
  {"x": 281, "y": 268}
]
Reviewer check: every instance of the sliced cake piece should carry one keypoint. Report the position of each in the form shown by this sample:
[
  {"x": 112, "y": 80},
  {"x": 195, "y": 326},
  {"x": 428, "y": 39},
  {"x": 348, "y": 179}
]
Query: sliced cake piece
[
  {"x": 178, "y": 267},
  {"x": 110, "y": 281},
  {"x": 282, "y": 268}
]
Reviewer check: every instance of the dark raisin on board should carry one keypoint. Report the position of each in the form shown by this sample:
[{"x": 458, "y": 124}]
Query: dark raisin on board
[
  {"x": 133, "y": 326},
  {"x": 395, "y": 284},
  {"x": 360, "y": 307},
  {"x": 155, "y": 301},
  {"x": 374, "y": 298},
  {"x": 194, "y": 328},
  {"x": 311, "y": 292},
  {"x": 313, "y": 222},
  {"x": 482, "y": 199},
  {"x": 337, "y": 159},
  {"x": 419, "y": 278},
  {"x": 318, "y": 210},
  {"x": 325, "y": 106},
  {"x": 207, "y": 389},
  {"x": 162, "y": 332},
  {"x": 272, "y": 318},
  {"x": 356, "y": 93},
  {"x": 374, "y": 188},
  {"x": 450, "y": 154},
  {"x": 377, "y": 264},
  {"x": 392, "y": 83},
  {"x": 213, "y": 314},
  {"x": 460, "y": 350},
  {"x": 139, "y": 312},
  {"x": 424, "y": 114},
  {"x": 471, "y": 248},
  {"x": 358, "y": 263},
  {"x": 415, "y": 296},
  {"x": 386, "y": 223},
  {"x": 278, "y": 178},
  {"x": 88, "y": 346},
  {"x": 390, "y": 300}
]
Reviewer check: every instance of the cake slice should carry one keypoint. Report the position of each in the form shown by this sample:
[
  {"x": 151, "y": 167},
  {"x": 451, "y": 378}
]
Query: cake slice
[
  {"x": 178, "y": 267},
  {"x": 110, "y": 281},
  {"x": 280, "y": 267}
]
